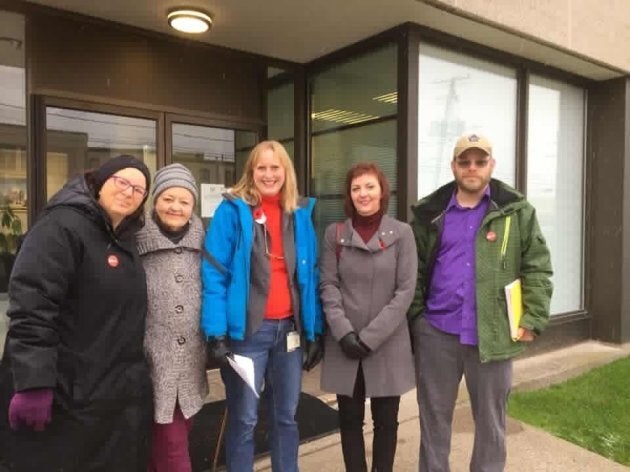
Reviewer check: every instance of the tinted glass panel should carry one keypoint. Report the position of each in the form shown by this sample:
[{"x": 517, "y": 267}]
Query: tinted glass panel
[
  {"x": 14, "y": 198},
  {"x": 81, "y": 140},
  {"x": 555, "y": 173},
  {"x": 215, "y": 156},
  {"x": 459, "y": 94},
  {"x": 354, "y": 118}
]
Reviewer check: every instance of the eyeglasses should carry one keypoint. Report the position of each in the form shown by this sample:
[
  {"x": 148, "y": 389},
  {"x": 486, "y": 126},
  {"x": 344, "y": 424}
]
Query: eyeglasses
[
  {"x": 479, "y": 163},
  {"x": 123, "y": 184}
]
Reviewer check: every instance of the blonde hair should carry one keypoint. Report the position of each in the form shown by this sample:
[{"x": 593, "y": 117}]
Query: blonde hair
[{"x": 246, "y": 189}]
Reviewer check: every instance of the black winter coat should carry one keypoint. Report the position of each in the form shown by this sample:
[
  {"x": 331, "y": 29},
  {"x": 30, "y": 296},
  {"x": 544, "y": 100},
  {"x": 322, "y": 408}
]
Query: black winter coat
[{"x": 77, "y": 310}]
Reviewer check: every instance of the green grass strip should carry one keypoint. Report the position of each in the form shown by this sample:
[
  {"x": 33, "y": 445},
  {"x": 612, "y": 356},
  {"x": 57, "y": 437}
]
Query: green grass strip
[{"x": 592, "y": 410}]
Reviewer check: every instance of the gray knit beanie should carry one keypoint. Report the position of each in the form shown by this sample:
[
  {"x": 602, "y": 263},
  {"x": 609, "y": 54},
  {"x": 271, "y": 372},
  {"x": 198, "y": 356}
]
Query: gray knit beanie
[{"x": 174, "y": 175}]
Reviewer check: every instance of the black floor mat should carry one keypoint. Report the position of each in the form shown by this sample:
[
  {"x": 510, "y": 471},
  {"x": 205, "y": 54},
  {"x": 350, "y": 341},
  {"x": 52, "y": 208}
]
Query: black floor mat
[{"x": 314, "y": 417}]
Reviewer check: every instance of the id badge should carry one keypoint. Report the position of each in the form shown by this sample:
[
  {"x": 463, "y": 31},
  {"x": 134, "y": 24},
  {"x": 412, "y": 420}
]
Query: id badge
[{"x": 293, "y": 341}]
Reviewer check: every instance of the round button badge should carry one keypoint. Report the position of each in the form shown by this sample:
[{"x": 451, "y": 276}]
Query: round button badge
[
  {"x": 112, "y": 260},
  {"x": 491, "y": 236}
]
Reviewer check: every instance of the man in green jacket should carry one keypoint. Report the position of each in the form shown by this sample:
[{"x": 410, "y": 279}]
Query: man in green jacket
[{"x": 475, "y": 235}]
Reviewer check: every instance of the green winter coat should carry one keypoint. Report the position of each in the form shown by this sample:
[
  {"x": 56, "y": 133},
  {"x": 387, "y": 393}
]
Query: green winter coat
[{"x": 525, "y": 254}]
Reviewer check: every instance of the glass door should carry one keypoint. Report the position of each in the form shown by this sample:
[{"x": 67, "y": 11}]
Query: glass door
[
  {"x": 78, "y": 140},
  {"x": 214, "y": 155},
  {"x": 14, "y": 194}
]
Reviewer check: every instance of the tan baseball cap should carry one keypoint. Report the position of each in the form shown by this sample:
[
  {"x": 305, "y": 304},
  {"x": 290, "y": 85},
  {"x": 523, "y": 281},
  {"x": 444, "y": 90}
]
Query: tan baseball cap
[{"x": 469, "y": 141}]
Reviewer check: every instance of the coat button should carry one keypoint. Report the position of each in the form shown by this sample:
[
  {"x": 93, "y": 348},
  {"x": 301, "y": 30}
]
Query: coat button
[
  {"x": 178, "y": 250},
  {"x": 181, "y": 340},
  {"x": 179, "y": 309},
  {"x": 179, "y": 278}
]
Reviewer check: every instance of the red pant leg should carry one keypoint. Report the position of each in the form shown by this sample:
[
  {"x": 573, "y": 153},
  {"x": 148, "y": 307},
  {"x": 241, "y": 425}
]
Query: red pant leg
[{"x": 169, "y": 450}]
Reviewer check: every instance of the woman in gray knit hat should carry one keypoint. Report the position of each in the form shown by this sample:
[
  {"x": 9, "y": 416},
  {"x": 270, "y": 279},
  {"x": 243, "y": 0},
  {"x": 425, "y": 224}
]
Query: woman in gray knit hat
[{"x": 170, "y": 246}]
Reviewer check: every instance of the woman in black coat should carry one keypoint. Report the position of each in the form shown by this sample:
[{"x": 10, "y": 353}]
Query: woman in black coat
[{"x": 81, "y": 392}]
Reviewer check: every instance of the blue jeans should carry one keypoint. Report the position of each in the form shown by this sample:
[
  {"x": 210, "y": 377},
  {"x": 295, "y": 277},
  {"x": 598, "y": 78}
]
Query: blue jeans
[{"x": 282, "y": 375}]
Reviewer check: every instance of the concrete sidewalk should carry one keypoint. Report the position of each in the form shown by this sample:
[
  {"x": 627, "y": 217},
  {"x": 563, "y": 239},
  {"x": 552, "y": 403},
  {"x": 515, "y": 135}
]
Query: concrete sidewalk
[{"x": 529, "y": 449}]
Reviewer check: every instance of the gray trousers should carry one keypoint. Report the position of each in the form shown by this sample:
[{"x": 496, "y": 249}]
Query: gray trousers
[{"x": 440, "y": 363}]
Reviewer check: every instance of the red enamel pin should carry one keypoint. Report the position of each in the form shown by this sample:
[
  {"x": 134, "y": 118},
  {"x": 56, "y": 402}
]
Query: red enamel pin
[
  {"x": 112, "y": 260},
  {"x": 491, "y": 236}
]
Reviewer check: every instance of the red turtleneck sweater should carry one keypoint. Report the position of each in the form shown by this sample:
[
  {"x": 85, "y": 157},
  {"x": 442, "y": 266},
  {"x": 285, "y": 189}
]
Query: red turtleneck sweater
[
  {"x": 366, "y": 226},
  {"x": 279, "y": 297}
]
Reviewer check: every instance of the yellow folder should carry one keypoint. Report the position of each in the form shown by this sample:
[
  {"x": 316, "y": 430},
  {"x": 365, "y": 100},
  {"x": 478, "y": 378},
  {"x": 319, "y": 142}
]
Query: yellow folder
[{"x": 513, "y": 296}]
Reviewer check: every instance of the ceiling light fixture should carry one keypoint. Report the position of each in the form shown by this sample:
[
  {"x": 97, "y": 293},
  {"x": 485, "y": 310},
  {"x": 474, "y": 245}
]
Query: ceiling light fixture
[{"x": 188, "y": 20}]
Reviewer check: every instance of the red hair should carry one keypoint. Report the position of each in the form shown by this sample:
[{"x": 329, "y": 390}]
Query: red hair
[{"x": 357, "y": 170}]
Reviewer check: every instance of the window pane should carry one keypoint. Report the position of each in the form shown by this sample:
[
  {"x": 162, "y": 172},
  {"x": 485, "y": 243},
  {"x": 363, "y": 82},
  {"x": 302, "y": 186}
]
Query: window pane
[
  {"x": 334, "y": 153},
  {"x": 80, "y": 140},
  {"x": 280, "y": 111},
  {"x": 459, "y": 94},
  {"x": 213, "y": 156},
  {"x": 555, "y": 156},
  {"x": 353, "y": 118},
  {"x": 13, "y": 186}
]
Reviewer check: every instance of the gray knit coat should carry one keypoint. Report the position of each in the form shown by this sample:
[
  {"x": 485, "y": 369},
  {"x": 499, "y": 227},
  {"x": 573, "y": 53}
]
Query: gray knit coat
[{"x": 173, "y": 343}]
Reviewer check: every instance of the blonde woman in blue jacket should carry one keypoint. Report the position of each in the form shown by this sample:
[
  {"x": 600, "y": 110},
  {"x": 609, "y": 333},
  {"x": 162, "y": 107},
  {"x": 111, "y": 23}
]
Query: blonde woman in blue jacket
[{"x": 260, "y": 300}]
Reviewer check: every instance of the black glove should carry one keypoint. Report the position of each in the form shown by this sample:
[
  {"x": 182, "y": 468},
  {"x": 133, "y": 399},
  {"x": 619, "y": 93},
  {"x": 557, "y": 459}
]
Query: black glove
[
  {"x": 217, "y": 351},
  {"x": 353, "y": 347},
  {"x": 313, "y": 353}
]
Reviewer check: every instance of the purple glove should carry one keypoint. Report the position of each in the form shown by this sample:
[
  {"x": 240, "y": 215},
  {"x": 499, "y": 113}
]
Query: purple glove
[{"x": 32, "y": 408}]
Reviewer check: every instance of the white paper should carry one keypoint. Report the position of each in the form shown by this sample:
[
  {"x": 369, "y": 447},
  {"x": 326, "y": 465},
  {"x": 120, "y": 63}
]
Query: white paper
[
  {"x": 244, "y": 367},
  {"x": 210, "y": 198}
]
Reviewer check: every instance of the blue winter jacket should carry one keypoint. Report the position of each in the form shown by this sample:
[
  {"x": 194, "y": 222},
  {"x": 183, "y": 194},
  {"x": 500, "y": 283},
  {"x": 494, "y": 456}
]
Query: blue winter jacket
[{"x": 226, "y": 268}]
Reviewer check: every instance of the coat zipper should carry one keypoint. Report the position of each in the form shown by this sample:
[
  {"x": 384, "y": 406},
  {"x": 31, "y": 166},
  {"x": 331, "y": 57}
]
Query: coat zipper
[{"x": 506, "y": 237}]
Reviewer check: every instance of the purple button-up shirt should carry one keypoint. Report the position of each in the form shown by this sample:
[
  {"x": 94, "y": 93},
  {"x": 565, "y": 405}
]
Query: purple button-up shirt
[{"x": 452, "y": 302}]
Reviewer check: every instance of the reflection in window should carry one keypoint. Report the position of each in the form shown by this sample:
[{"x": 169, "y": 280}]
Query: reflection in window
[
  {"x": 459, "y": 94},
  {"x": 555, "y": 156},
  {"x": 213, "y": 155},
  {"x": 13, "y": 177},
  {"x": 79, "y": 140},
  {"x": 354, "y": 118},
  {"x": 342, "y": 149},
  {"x": 280, "y": 110}
]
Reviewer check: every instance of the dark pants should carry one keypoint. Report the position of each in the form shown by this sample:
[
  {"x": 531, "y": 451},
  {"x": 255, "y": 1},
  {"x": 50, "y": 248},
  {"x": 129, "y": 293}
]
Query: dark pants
[
  {"x": 169, "y": 445},
  {"x": 441, "y": 360},
  {"x": 87, "y": 439},
  {"x": 385, "y": 418}
]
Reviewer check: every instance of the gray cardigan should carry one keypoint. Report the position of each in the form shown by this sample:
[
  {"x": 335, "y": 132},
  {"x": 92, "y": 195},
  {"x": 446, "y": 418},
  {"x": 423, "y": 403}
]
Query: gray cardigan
[
  {"x": 369, "y": 291},
  {"x": 173, "y": 342}
]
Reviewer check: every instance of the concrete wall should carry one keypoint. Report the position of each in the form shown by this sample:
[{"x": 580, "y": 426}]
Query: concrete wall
[{"x": 596, "y": 29}]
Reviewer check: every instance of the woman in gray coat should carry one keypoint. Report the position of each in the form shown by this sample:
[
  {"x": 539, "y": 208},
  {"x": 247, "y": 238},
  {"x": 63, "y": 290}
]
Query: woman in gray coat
[
  {"x": 170, "y": 246},
  {"x": 368, "y": 278}
]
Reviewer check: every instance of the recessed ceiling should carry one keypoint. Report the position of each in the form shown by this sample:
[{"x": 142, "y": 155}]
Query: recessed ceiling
[{"x": 301, "y": 31}]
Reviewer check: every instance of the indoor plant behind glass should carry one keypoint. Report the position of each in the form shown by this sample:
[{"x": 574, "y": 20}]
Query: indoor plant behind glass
[{"x": 10, "y": 232}]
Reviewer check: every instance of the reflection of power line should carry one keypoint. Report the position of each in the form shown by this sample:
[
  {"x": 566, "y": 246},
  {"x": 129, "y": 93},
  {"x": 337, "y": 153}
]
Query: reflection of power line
[
  {"x": 127, "y": 121},
  {"x": 17, "y": 107},
  {"x": 203, "y": 139},
  {"x": 451, "y": 100},
  {"x": 118, "y": 140},
  {"x": 118, "y": 143}
]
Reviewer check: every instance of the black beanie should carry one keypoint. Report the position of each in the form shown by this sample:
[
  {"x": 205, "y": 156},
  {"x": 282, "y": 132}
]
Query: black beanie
[{"x": 113, "y": 165}]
